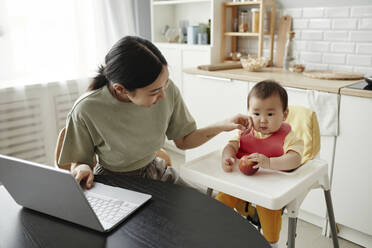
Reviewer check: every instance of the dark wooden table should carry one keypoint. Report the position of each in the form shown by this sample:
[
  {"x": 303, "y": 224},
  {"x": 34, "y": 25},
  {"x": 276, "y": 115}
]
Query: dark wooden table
[{"x": 174, "y": 217}]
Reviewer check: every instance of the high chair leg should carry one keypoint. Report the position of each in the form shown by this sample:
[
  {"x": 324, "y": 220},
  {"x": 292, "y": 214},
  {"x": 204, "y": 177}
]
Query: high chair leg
[
  {"x": 292, "y": 225},
  {"x": 331, "y": 216},
  {"x": 209, "y": 192}
]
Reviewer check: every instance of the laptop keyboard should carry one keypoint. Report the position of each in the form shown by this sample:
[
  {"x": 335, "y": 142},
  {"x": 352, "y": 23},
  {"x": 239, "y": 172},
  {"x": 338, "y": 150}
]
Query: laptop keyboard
[{"x": 109, "y": 209}]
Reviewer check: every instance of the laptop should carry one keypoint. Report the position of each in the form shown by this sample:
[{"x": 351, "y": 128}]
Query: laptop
[{"x": 55, "y": 192}]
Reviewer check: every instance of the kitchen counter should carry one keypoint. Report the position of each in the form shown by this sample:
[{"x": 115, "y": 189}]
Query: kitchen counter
[
  {"x": 286, "y": 78},
  {"x": 356, "y": 92}
]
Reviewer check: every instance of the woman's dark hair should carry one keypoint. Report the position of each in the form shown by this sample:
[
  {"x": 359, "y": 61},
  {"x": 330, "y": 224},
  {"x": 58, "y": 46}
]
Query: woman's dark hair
[
  {"x": 132, "y": 62},
  {"x": 267, "y": 88}
]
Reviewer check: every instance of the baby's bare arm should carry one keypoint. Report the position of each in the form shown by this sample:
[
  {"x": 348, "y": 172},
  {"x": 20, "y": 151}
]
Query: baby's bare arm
[
  {"x": 229, "y": 155},
  {"x": 289, "y": 161}
]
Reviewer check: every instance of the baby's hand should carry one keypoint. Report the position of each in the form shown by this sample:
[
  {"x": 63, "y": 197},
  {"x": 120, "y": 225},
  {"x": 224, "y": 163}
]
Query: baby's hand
[
  {"x": 260, "y": 159},
  {"x": 227, "y": 164}
]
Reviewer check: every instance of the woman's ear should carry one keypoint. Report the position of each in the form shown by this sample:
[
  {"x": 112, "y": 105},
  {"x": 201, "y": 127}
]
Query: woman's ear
[
  {"x": 286, "y": 112},
  {"x": 119, "y": 89}
]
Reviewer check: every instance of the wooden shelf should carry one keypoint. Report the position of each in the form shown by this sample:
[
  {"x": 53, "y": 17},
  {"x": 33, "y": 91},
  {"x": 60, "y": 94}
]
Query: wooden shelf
[{"x": 232, "y": 37}]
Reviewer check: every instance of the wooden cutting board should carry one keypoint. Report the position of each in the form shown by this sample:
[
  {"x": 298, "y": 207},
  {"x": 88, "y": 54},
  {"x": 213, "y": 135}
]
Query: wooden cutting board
[
  {"x": 333, "y": 75},
  {"x": 221, "y": 66},
  {"x": 284, "y": 27}
]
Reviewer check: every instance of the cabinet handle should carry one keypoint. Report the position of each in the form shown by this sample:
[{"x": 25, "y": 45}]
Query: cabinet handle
[{"x": 214, "y": 78}]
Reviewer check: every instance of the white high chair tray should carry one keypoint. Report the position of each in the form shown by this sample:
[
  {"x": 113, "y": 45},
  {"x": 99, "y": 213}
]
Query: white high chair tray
[{"x": 268, "y": 188}]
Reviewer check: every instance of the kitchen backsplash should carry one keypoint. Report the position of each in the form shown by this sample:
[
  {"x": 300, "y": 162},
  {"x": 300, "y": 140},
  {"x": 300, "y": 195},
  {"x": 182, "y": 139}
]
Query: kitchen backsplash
[{"x": 335, "y": 38}]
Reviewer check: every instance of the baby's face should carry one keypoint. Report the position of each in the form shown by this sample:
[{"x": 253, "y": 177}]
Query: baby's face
[{"x": 267, "y": 114}]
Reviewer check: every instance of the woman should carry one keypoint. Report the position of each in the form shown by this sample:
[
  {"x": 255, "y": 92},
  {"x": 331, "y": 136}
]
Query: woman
[{"x": 130, "y": 108}]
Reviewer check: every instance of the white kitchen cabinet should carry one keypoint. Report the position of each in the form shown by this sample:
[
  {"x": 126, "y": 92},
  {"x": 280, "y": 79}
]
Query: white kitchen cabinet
[
  {"x": 172, "y": 55},
  {"x": 211, "y": 100},
  {"x": 179, "y": 57},
  {"x": 196, "y": 55},
  {"x": 352, "y": 174}
]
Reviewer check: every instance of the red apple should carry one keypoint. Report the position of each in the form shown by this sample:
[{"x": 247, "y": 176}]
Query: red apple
[{"x": 246, "y": 166}]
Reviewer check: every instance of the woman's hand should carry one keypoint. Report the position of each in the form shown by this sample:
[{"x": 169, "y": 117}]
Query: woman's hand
[
  {"x": 82, "y": 172},
  {"x": 261, "y": 160},
  {"x": 239, "y": 121}
]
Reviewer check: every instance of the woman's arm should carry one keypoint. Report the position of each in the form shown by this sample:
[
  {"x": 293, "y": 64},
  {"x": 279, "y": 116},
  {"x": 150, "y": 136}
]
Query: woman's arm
[{"x": 202, "y": 135}]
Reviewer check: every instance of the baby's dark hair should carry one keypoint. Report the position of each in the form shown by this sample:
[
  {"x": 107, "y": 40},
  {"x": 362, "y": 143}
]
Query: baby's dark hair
[{"x": 267, "y": 88}]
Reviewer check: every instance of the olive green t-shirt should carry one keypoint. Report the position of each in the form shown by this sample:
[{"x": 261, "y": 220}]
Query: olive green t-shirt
[{"x": 125, "y": 136}]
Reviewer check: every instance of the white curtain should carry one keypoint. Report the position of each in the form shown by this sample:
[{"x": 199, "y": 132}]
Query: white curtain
[
  {"x": 49, "y": 44},
  {"x": 113, "y": 20},
  {"x": 51, "y": 40}
]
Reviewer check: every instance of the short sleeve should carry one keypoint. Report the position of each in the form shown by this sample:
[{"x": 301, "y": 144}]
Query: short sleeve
[
  {"x": 77, "y": 145},
  {"x": 235, "y": 137},
  {"x": 293, "y": 143},
  {"x": 181, "y": 122}
]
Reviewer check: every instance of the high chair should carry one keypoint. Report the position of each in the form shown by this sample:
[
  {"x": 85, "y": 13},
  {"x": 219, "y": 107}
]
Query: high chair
[
  {"x": 268, "y": 188},
  {"x": 160, "y": 153}
]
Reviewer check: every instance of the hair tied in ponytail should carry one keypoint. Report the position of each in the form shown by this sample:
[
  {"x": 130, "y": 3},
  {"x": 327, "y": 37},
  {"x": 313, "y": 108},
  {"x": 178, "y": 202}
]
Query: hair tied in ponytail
[
  {"x": 101, "y": 70},
  {"x": 100, "y": 80}
]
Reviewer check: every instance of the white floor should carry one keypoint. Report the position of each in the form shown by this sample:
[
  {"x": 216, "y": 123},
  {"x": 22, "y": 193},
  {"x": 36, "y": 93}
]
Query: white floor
[{"x": 308, "y": 235}]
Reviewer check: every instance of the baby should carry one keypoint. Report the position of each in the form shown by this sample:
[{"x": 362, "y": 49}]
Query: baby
[{"x": 270, "y": 143}]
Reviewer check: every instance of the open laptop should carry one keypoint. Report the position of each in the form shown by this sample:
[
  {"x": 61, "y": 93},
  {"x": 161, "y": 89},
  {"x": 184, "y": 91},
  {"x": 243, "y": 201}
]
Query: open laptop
[{"x": 55, "y": 192}]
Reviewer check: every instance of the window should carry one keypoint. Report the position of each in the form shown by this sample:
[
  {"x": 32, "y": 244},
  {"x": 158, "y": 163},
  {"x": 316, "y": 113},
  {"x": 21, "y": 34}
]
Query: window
[{"x": 57, "y": 40}]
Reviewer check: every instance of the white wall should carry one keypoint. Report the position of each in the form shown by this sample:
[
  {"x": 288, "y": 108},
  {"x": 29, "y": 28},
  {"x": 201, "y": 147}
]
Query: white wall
[
  {"x": 336, "y": 38},
  {"x": 323, "y": 3}
]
